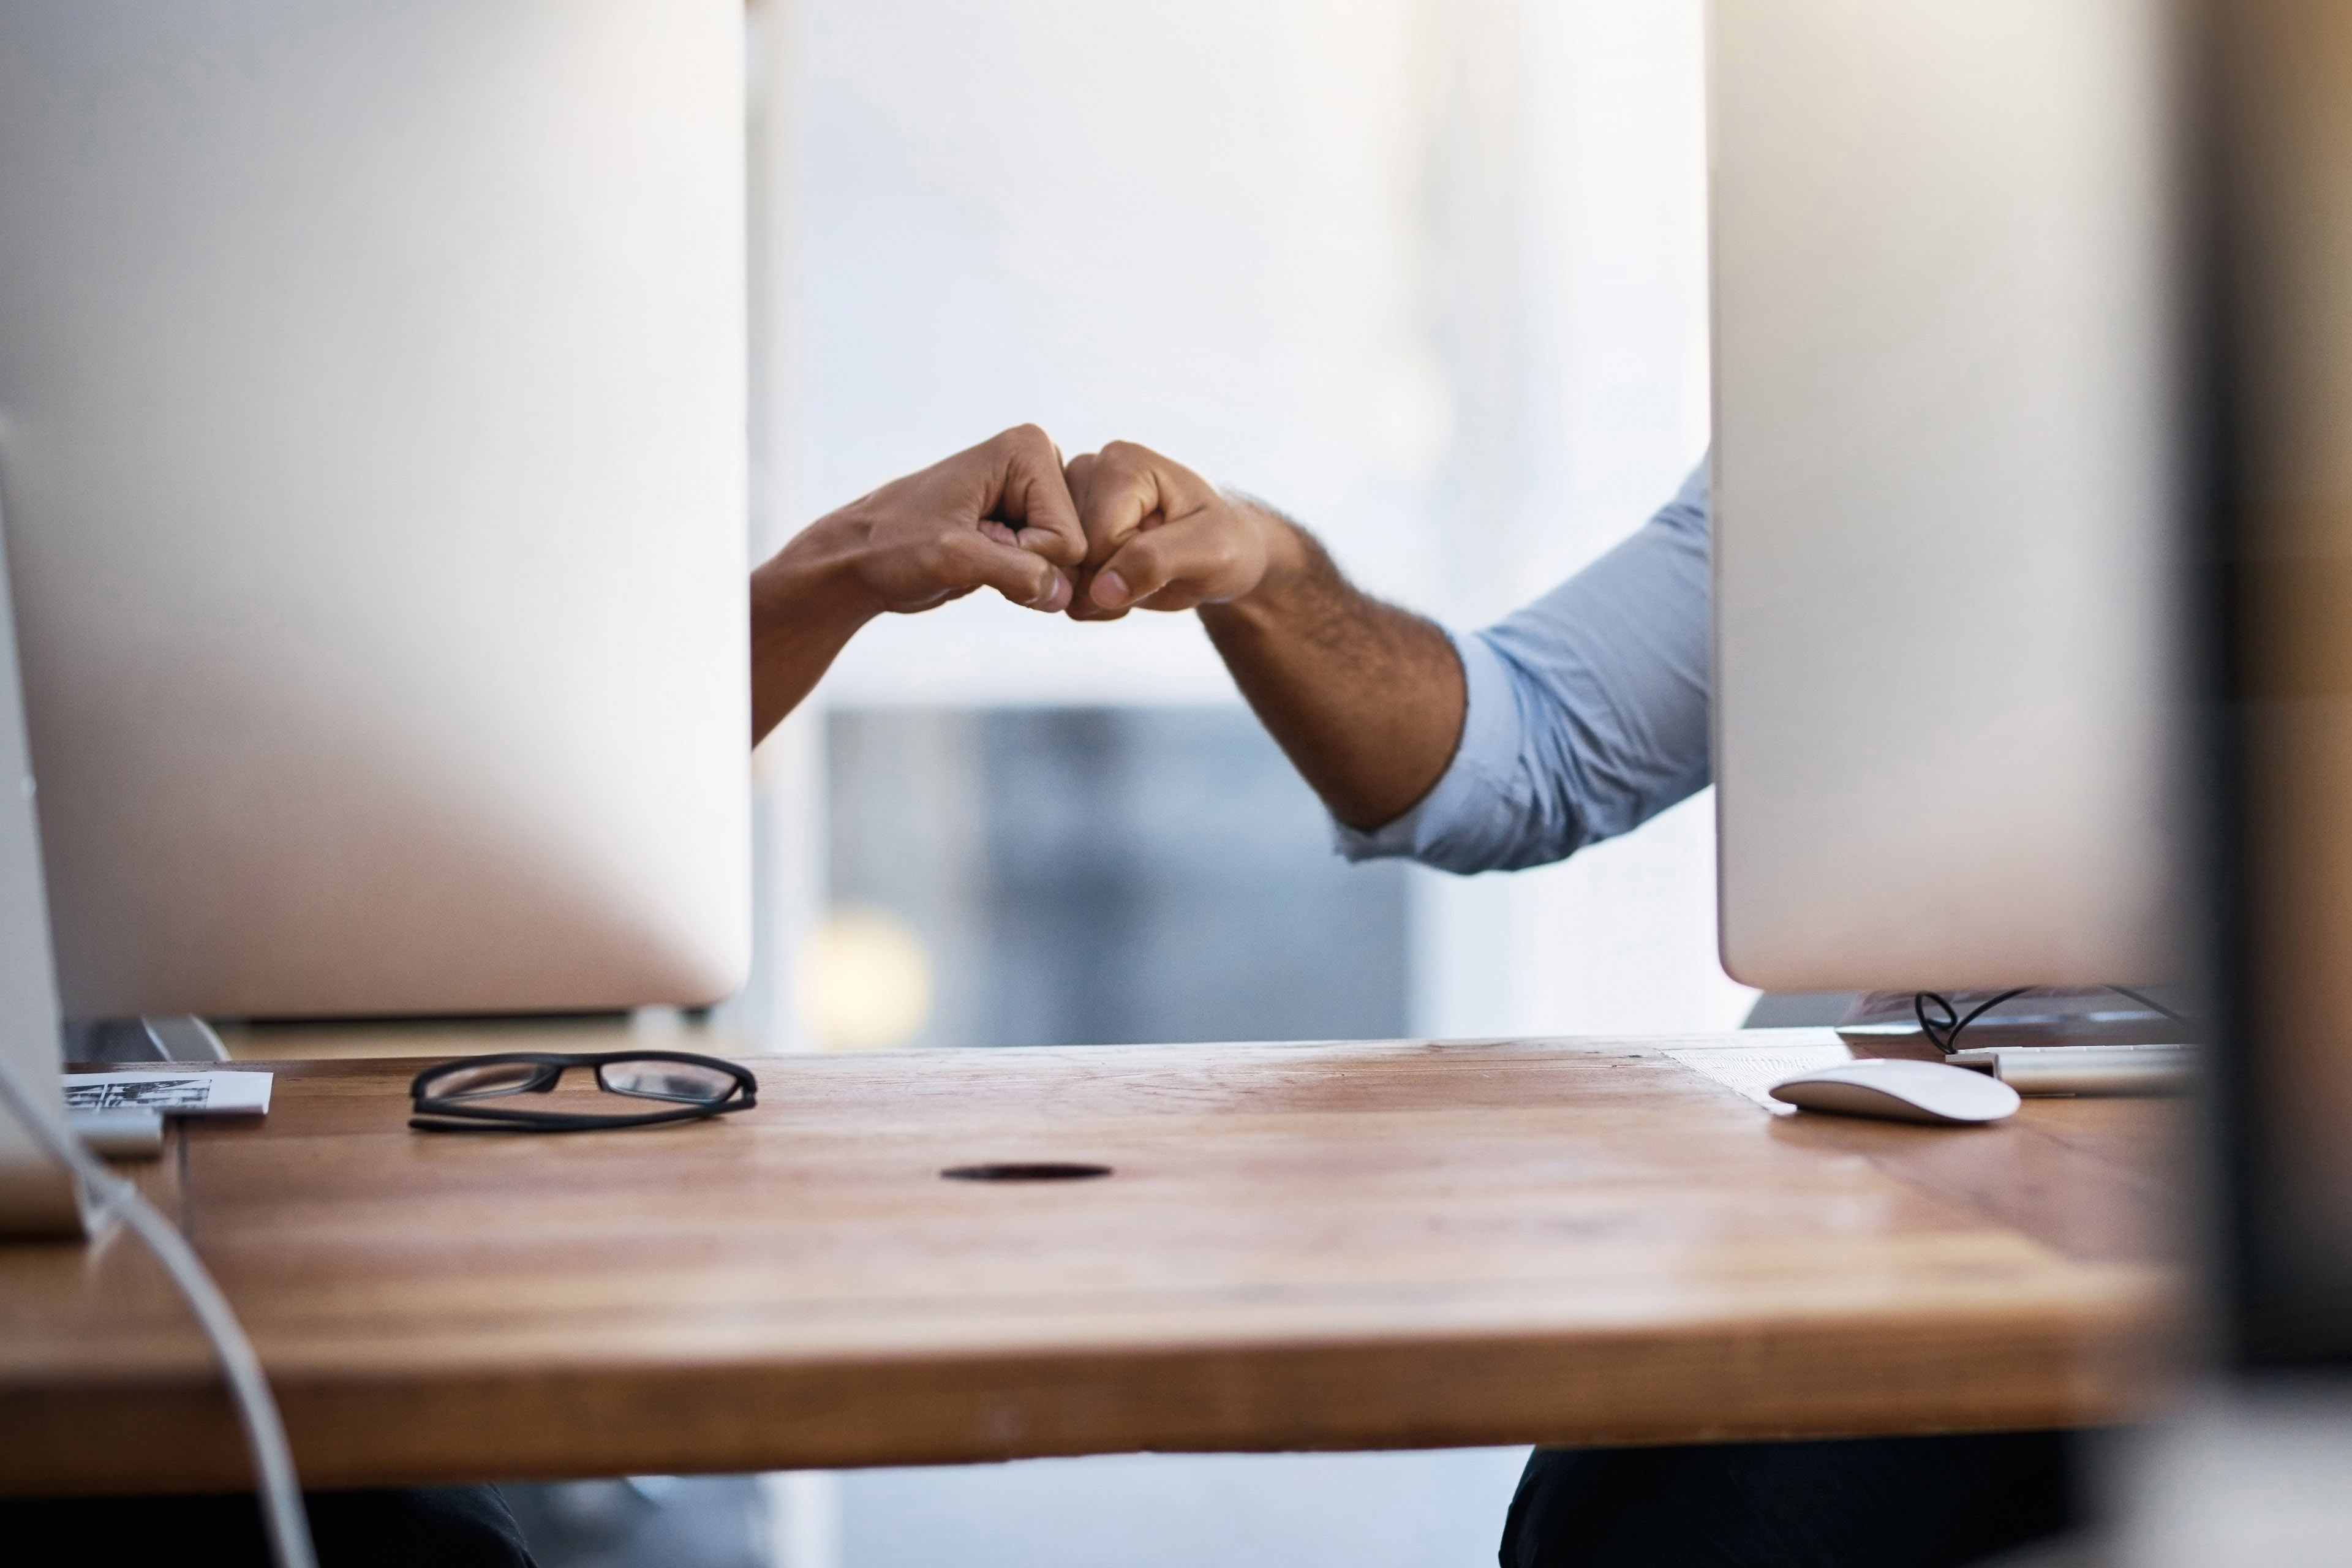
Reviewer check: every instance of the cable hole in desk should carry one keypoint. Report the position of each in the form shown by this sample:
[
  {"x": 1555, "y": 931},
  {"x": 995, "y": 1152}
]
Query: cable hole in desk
[{"x": 1027, "y": 1171}]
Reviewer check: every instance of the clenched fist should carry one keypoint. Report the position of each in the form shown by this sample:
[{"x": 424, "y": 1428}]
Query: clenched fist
[
  {"x": 1160, "y": 537},
  {"x": 998, "y": 515}
]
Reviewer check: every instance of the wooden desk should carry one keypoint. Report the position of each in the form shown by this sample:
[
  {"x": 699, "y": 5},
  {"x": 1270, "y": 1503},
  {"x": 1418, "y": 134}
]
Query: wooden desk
[{"x": 1357, "y": 1246}]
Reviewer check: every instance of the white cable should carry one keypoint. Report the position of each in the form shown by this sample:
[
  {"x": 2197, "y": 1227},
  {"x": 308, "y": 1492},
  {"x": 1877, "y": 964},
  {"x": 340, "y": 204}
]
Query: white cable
[{"x": 280, "y": 1493}]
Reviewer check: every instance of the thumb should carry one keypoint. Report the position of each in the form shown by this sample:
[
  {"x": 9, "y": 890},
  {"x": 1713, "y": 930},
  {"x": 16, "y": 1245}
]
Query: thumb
[
  {"x": 1145, "y": 563},
  {"x": 1025, "y": 577}
]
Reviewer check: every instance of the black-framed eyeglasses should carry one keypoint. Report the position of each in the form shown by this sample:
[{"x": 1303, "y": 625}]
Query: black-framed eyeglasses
[{"x": 465, "y": 1096}]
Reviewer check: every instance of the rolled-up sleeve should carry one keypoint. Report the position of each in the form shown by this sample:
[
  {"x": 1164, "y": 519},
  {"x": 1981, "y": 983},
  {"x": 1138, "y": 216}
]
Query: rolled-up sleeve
[{"x": 1587, "y": 711}]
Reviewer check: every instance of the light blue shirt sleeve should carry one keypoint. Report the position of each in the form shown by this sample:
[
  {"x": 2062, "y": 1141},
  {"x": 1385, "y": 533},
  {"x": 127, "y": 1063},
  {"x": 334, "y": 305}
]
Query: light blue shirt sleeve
[{"x": 1587, "y": 711}]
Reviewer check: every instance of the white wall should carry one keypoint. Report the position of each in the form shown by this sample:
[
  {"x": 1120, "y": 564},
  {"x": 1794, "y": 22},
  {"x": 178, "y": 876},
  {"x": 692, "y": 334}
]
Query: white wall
[
  {"x": 1190, "y": 225},
  {"x": 1584, "y": 345}
]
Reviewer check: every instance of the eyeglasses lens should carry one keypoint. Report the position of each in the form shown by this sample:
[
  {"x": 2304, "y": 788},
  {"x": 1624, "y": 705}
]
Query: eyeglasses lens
[
  {"x": 667, "y": 1080},
  {"x": 486, "y": 1080}
]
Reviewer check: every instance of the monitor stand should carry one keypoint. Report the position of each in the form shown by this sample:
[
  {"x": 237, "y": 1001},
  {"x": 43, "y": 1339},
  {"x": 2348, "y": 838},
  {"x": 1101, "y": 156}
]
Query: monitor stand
[
  {"x": 2094, "y": 1040},
  {"x": 177, "y": 1037},
  {"x": 2045, "y": 1019},
  {"x": 127, "y": 1042}
]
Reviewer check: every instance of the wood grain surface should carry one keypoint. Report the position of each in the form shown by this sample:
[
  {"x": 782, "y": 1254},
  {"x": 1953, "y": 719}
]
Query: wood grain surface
[{"x": 1345, "y": 1246}]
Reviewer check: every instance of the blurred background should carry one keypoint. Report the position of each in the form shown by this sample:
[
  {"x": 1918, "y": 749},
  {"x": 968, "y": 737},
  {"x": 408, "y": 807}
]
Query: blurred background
[{"x": 1429, "y": 275}]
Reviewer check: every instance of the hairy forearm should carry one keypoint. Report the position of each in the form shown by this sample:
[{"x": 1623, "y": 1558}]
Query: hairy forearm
[{"x": 1367, "y": 700}]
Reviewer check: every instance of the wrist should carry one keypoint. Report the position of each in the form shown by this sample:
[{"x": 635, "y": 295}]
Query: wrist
[
  {"x": 813, "y": 583},
  {"x": 1291, "y": 557}
]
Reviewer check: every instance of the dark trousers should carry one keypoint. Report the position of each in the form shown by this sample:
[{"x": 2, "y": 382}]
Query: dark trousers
[
  {"x": 439, "y": 1527},
  {"x": 1885, "y": 1502}
]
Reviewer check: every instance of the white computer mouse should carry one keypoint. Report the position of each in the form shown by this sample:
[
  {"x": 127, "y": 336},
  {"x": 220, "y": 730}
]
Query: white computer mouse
[{"x": 1901, "y": 1091}]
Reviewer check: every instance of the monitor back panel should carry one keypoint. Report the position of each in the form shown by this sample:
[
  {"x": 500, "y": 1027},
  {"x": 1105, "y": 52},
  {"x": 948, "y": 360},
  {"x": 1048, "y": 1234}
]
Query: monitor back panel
[
  {"x": 1945, "y": 489},
  {"x": 37, "y": 1196},
  {"x": 1943, "y": 492},
  {"x": 372, "y": 442}
]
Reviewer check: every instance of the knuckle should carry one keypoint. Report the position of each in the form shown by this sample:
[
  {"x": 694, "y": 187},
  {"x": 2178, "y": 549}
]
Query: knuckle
[{"x": 935, "y": 558}]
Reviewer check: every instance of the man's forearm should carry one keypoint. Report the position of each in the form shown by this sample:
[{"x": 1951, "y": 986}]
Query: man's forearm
[{"x": 1367, "y": 700}]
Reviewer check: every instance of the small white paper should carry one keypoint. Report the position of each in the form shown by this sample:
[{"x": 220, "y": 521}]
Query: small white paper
[
  {"x": 1752, "y": 1071},
  {"x": 172, "y": 1093}
]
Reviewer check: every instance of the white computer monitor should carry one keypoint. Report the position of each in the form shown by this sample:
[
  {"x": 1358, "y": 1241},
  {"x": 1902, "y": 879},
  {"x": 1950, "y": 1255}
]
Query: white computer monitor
[
  {"x": 1946, "y": 486},
  {"x": 37, "y": 1196},
  {"x": 372, "y": 455}
]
